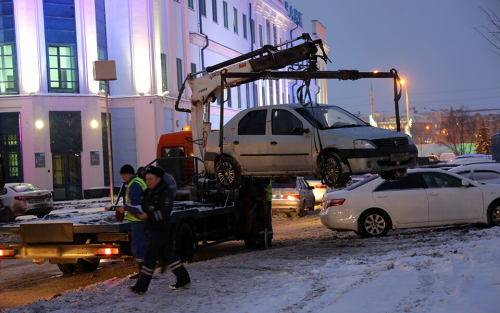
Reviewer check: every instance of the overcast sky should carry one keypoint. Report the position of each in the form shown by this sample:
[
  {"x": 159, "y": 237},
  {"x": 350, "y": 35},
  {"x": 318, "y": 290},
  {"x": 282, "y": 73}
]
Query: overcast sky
[{"x": 432, "y": 44}]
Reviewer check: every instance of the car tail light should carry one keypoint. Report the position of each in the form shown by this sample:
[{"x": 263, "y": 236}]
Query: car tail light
[
  {"x": 321, "y": 187},
  {"x": 292, "y": 197},
  {"x": 23, "y": 198},
  {"x": 334, "y": 202},
  {"x": 107, "y": 251},
  {"x": 6, "y": 252}
]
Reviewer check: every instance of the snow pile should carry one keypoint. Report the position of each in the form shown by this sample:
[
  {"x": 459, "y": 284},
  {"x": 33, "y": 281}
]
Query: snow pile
[{"x": 453, "y": 271}]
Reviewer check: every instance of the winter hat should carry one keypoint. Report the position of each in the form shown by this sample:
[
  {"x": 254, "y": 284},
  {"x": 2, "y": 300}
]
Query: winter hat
[
  {"x": 155, "y": 170},
  {"x": 127, "y": 169}
]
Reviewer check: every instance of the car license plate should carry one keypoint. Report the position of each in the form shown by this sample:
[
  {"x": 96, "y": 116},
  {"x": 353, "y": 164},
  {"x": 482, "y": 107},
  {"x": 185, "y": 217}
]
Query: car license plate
[{"x": 400, "y": 156}]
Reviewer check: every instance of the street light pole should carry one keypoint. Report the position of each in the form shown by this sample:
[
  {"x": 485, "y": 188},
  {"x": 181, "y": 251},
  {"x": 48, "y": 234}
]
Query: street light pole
[{"x": 407, "y": 107}]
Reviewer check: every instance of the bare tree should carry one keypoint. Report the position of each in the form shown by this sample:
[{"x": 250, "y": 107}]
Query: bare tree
[
  {"x": 492, "y": 32},
  {"x": 459, "y": 131}
]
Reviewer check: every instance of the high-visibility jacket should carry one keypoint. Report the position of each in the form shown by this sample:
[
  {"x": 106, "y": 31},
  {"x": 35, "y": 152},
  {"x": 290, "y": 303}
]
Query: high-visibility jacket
[
  {"x": 127, "y": 199},
  {"x": 269, "y": 190}
]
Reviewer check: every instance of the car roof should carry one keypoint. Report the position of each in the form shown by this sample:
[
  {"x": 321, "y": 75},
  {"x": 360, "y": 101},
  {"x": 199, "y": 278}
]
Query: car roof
[
  {"x": 492, "y": 165},
  {"x": 291, "y": 106}
]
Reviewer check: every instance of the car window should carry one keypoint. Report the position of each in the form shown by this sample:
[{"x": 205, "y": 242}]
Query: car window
[
  {"x": 441, "y": 180},
  {"x": 330, "y": 117},
  {"x": 464, "y": 173},
  {"x": 361, "y": 183},
  {"x": 253, "y": 123},
  {"x": 283, "y": 122},
  {"x": 485, "y": 174},
  {"x": 410, "y": 181},
  {"x": 291, "y": 184},
  {"x": 23, "y": 188}
]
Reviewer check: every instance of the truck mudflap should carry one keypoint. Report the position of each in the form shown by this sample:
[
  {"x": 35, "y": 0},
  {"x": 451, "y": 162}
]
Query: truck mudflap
[{"x": 60, "y": 253}]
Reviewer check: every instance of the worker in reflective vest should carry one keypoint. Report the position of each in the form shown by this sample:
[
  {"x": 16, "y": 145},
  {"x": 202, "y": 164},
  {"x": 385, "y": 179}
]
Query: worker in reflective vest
[{"x": 135, "y": 186}]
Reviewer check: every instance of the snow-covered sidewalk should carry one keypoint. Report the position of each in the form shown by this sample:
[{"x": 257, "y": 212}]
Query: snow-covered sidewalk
[{"x": 448, "y": 271}]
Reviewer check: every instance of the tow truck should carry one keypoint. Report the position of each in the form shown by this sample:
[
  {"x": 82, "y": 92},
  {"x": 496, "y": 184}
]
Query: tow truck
[{"x": 210, "y": 213}]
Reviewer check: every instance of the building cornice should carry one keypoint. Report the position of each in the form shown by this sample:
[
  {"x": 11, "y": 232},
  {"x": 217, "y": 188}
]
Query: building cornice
[{"x": 199, "y": 40}]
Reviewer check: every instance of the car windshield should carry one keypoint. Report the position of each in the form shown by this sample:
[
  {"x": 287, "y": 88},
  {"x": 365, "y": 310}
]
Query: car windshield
[
  {"x": 361, "y": 183},
  {"x": 25, "y": 187},
  {"x": 290, "y": 184},
  {"x": 326, "y": 117}
]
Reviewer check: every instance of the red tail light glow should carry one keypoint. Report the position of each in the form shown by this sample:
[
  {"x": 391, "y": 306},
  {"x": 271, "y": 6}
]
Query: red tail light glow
[
  {"x": 320, "y": 187},
  {"x": 107, "y": 251},
  {"x": 6, "y": 252},
  {"x": 334, "y": 202},
  {"x": 292, "y": 197},
  {"x": 23, "y": 198}
]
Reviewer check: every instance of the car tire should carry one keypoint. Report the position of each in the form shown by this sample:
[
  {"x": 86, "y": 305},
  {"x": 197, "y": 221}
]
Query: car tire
[
  {"x": 41, "y": 215},
  {"x": 374, "y": 223},
  {"x": 227, "y": 173},
  {"x": 6, "y": 216},
  {"x": 332, "y": 171},
  {"x": 184, "y": 243},
  {"x": 393, "y": 175},
  {"x": 494, "y": 214},
  {"x": 67, "y": 268}
]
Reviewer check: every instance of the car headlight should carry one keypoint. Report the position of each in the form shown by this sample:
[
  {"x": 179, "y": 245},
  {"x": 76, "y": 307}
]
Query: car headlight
[
  {"x": 363, "y": 144},
  {"x": 410, "y": 141}
]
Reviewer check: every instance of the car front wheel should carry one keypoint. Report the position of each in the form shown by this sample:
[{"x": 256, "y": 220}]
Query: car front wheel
[
  {"x": 374, "y": 223},
  {"x": 332, "y": 171},
  {"x": 494, "y": 214},
  {"x": 227, "y": 173},
  {"x": 6, "y": 216}
]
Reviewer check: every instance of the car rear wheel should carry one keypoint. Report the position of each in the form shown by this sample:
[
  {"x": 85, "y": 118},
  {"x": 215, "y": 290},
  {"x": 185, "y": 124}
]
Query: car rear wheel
[
  {"x": 6, "y": 216},
  {"x": 374, "y": 223},
  {"x": 332, "y": 171},
  {"x": 227, "y": 173},
  {"x": 494, "y": 214}
]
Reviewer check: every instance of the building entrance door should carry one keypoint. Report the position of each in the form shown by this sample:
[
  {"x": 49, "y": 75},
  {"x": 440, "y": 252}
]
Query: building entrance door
[{"x": 67, "y": 176}]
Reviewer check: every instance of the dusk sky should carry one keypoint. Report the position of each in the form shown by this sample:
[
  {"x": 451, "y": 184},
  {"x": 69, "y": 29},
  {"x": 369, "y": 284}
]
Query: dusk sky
[{"x": 431, "y": 43}]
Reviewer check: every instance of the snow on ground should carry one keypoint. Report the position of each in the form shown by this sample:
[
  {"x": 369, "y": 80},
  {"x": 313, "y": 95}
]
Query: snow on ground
[{"x": 454, "y": 270}]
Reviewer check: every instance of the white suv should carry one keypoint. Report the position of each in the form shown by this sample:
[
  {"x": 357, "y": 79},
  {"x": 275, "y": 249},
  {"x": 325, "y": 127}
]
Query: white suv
[{"x": 323, "y": 141}]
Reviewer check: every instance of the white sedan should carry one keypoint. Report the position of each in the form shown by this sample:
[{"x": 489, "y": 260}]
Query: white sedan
[
  {"x": 423, "y": 198},
  {"x": 24, "y": 199}
]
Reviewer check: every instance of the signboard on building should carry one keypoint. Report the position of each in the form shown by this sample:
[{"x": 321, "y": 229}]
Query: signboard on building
[
  {"x": 39, "y": 160},
  {"x": 94, "y": 158},
  {"x": 294, "y": 14}
]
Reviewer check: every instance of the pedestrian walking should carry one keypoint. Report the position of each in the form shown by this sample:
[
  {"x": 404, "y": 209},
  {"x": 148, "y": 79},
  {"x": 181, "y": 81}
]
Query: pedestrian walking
[
  {"x": 135, "y": 186},
  {"x": 157, "y": 204}
]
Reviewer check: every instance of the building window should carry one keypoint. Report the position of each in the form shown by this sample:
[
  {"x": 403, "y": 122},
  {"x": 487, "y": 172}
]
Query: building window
[
  {"x": 278, "y": 91},
  {"x": 271, "y": 94},
  {"x": 193, "y": 69},
  {"x": 179, "y": 74},
  {"x": 248, "y": 95},
  {"x": 255, "y": 95},
  {"x": 263, "y": 94},
  {"x": 203, "y": 8},
  {"x": 268, "y": 32},
  {"x": 163, "y": 58},
  {"x": 8, "y": 64},
  {"x": 261, "y": 39},
  {"x": 235, "y": 20},
  {"x": 244, "y": 26},
  {"x": 275, "y": 35},
  {"x": 63, "y": 76},
  {"x": 224, "y": 9},
  {"x": 214, "y": 10},
  {"x": 252, "y": 30},
  {"x": 191, "y": 4},
  {"x": 60, "y": 38},
  {"x": 238, "y": 91},
  {"x": 102, "y": 45}
]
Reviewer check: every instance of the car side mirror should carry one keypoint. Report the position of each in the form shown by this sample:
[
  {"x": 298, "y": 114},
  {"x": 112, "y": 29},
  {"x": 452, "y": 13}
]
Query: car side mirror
[
  {"x": 465, "y": 183},
  {"x": 300, "y": 130},
  {"x": 311, "y": 187}
]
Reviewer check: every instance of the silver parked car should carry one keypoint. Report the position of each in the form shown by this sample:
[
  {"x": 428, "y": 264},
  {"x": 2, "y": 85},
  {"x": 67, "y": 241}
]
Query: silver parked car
[
  {"x": 480, "y": 172},
  {"x": 293, "y": 197},
  {"x": 24, "y": 199}
]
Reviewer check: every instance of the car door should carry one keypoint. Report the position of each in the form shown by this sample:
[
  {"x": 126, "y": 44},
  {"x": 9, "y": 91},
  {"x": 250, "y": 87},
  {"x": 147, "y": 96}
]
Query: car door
[
  {"x": 251, "y": 143},
  {"x": 306, "y": 193},
  {"x": 290, "y": 149},
  {"x": 405, "y": 199},
  {"x": 449, "y": 200}
]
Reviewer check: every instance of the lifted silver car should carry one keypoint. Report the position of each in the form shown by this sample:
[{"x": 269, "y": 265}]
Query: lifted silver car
[{"x": 323, "y": 141}]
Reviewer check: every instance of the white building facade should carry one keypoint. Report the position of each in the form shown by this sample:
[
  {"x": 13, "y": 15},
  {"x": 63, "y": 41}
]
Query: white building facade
[{"x": 52, "y": 112}]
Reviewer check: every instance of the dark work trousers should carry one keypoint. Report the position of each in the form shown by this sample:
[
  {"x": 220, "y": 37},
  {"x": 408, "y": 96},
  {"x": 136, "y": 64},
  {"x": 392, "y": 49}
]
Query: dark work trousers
[{"x": 139, "y": 241}]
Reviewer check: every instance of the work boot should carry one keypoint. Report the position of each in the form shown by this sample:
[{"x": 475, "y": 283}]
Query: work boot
[
  {"x": 183, "y": 279},
  {"x": 143, "y": 281},
  {"x": 136, "y": 275}
]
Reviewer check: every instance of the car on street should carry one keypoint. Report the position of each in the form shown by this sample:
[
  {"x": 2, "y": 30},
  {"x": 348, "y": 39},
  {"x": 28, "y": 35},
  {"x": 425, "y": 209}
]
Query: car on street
[
  {"x": 24, "y": 199},
  {"x": 293, "y": 197},
  {"x": 323, "y": 141},
  {"x": 480, "y": 172},
  {"x": 423, "y": 198},
  {"x": 319, "y": 188},
  {"x": 470, "y": 158}
]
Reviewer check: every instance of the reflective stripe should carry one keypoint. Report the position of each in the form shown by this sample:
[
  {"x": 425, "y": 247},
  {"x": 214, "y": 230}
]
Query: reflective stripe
[
  {"x": 175, "y": 265},
  {"x": 147, "y": 271}
]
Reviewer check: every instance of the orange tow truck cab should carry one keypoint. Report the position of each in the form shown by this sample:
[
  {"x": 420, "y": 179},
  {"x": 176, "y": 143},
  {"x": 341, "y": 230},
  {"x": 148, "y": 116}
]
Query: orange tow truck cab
[{"x": 177, "y": 146}]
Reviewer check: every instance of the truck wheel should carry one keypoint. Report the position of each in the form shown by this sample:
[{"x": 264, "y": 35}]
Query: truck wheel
[
  {"x": 66, "y": 268},
  {"x": 332, "y": 171},
  {"x": 87, "y": 266},
  {"x": 227, "y": 173},
  {"x": 6, "y": 216},
  {"x": 184, "y": 243}
]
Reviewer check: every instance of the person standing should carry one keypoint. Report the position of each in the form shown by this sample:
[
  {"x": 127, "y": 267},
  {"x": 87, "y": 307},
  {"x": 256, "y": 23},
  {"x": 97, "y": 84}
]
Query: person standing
[
  {"x": 157, "y": 205},
  {"x": 135, "y": 186}
]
